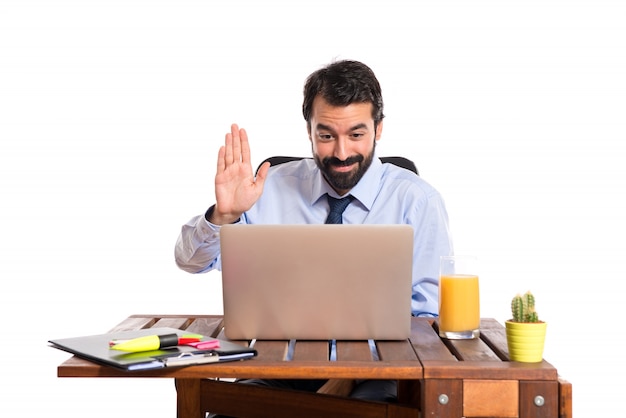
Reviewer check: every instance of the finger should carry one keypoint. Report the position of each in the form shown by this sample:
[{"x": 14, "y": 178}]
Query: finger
[
  {"x": 228, "y": 149},
  {"x": 261, "y": 174},
  {"x": 235, "y": 132},
  {"x": 221, "y": 164},
  {"x": 245, "y": 147}
]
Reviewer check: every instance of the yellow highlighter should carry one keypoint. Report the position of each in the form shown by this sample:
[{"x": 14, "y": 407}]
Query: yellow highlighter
[{"x": 147, "y": 343}]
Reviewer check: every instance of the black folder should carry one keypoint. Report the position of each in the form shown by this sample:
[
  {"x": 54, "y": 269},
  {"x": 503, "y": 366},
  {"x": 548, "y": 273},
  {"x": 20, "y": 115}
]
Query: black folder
[{"x": 96, "y": 348}]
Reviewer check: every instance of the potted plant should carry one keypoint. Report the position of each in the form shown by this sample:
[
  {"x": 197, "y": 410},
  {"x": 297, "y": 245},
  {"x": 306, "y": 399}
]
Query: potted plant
[{"x": 525, "y": 333}]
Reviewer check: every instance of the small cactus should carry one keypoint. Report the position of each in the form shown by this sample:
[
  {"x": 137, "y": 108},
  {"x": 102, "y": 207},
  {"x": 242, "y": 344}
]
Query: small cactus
[{"x": 523, "y": 308}]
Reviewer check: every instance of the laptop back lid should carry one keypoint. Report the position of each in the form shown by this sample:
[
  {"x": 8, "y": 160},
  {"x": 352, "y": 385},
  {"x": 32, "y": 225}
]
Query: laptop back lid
[{"x": 317, "y": 282}]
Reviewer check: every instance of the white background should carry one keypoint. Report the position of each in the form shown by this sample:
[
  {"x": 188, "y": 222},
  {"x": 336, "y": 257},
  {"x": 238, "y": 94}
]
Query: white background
[{"x": 112, "y": 112}]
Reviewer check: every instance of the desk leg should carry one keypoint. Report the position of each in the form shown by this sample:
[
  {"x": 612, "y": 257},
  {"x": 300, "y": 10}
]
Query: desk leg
[
  {"x": 565, "y": 398},
  {"x": 442, "y": 398},
  {"x": 189, "y": 403},
  {"x": 539, "y": 399}
]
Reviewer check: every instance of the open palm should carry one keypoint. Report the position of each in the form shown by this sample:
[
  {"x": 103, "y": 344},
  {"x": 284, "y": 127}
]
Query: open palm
[{"x": 236, "y": 187}]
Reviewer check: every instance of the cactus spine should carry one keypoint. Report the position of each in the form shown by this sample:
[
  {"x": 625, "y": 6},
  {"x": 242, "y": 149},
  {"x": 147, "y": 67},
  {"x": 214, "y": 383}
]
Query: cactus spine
[{"x": 523, "y": 308}]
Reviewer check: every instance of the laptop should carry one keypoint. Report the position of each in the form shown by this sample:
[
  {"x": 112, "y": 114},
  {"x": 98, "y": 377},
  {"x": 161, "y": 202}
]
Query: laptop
[{"x": 317, "y": 282}]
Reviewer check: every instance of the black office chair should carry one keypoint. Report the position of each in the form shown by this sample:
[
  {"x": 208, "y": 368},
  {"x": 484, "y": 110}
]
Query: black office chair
[{"x": 399, "y": 161}]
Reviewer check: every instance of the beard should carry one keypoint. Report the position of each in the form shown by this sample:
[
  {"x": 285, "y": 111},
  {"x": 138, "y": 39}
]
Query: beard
[{"x": 347, "y": 180}]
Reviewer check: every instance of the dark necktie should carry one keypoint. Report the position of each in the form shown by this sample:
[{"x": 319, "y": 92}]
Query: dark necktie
[{"x": 337, "y": 206}]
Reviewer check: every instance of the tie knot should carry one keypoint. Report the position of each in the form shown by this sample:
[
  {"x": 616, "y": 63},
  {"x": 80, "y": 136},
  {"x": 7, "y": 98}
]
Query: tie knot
[{"x": 337, "y": 206}]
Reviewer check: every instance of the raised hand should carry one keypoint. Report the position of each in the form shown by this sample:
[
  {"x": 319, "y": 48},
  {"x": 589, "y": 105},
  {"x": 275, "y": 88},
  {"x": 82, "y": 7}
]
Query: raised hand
[{"x": 236, "y": 188}]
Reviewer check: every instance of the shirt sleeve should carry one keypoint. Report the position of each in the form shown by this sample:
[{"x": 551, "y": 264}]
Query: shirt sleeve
[
  {"x": 197, "y": 248},
  {"x": 432, "y": 240}
]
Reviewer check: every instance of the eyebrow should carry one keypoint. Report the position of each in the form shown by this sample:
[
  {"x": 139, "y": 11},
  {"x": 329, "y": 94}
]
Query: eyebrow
[{"x": 321, "y": 126}]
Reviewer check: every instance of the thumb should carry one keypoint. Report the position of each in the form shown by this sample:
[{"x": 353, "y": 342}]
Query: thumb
[{"x": 261, "y": 174}]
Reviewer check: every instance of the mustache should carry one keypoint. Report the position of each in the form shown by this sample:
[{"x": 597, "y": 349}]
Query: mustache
[{"x": 334, "y": 161}]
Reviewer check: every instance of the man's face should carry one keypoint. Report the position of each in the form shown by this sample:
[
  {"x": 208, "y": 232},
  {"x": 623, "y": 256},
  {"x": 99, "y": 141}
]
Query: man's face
[{"x": 343, "y": 141}]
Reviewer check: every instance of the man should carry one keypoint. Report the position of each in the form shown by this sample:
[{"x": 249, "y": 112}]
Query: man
[{"x": 343, "y": 109}]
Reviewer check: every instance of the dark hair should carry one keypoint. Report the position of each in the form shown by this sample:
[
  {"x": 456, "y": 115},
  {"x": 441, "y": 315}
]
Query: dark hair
[{"x": 342, "y": 83}]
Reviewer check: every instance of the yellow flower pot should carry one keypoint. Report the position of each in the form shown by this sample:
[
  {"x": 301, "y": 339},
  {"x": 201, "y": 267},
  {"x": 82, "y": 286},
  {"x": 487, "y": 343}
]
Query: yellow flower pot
[{"x": 525, "y": 340}]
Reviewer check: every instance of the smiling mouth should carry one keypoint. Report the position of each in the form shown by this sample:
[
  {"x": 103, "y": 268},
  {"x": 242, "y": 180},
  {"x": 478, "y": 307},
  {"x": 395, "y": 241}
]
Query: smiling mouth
[{"x": 342, "y": 168}]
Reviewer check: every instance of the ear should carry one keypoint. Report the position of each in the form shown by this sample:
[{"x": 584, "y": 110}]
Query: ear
[{"x": 379, "y": 130}]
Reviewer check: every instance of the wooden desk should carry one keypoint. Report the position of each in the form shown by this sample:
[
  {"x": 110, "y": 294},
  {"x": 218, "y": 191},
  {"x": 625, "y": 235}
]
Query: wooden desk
[{"x": 440, "y": 378}]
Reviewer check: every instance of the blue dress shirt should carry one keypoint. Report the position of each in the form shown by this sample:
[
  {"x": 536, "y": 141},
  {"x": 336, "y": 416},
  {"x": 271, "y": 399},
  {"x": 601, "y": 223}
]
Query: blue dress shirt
[{"x": 294, "y": 193}]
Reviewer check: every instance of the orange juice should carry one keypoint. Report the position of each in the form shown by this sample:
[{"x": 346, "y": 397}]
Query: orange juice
[{"x": 459, "y": 303}]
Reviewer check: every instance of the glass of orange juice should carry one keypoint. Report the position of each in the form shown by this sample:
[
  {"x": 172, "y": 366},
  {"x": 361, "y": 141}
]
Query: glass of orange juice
[{"x": 459, "y": 298}]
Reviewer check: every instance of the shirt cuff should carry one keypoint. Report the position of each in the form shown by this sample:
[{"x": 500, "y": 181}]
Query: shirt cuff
[{"x": 207, "y": 216}]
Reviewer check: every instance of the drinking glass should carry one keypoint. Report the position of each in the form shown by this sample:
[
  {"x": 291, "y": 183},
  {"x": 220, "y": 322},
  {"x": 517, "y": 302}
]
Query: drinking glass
[{"x": 459, "y": 299}]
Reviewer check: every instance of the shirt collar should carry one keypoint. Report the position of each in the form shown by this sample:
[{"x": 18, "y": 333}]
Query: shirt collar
[{"x": 365, "y": 190}]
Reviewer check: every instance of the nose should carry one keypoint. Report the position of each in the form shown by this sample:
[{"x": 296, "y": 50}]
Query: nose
[{"x": 341, "y": 149}]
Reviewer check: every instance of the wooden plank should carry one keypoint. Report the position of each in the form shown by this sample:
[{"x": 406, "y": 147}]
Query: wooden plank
[
  {"x": 471, "y": 350},
  {"x": 490, "y": 398},
  {"x": 401, "y": 411},
  {"x": 311, "y": 351},
  {"x": 489, "y": 370},
  {"x": 395, "y": 350},
  {"x": 337, "y": 387},
  {"x": 178, "y": 323},
  {"x": 426, "y": 342},
  {"x": 236, "y": 399},
  {"x": 338, "y": 370},
  {"x": 209, "y": 326},
  {"x": 254, "y": 368},
  {"x": 188, "y": 398},
  {"x": 565, "y": 398},
  {"x": 354, "y": 351},
  {"x": 271, "y": 350},
  {"x": 539, "y": 399},
  {"x": 494, "y": 335}
]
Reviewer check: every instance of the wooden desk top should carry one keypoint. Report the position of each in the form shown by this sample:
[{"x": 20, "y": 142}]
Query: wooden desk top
[
  {"x": 424, "y": 355},
  {"x": 445, "y": 378}
]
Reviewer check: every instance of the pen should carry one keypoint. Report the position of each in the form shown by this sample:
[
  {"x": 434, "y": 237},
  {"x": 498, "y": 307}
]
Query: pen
[
  {"x": 152, "y": 342},
  {"x": 191, "y": 358}
]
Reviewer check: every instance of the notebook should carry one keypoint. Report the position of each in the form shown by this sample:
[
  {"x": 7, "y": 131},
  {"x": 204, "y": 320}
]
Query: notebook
[
  {"x": 317, "y": 282},
  {"x": 96, "y": 348}
]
